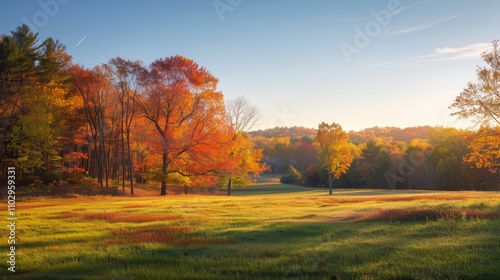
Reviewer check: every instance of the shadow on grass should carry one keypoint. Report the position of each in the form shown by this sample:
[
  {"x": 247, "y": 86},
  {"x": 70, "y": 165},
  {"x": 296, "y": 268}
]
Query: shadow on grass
[{"x": 377, "y": 250}]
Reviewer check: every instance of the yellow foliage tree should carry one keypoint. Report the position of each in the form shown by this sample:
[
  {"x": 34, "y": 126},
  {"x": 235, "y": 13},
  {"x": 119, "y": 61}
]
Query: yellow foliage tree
[
  {"x": 243, "y": 158},
  {"x": 335, "y": 153},
  {"x": 34, "y": 137},
  {"x": 485, "y": 150}
]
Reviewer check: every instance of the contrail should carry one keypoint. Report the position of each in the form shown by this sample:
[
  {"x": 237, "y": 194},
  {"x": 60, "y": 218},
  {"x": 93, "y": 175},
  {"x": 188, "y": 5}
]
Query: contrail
[{"x": 82, "y": 40}]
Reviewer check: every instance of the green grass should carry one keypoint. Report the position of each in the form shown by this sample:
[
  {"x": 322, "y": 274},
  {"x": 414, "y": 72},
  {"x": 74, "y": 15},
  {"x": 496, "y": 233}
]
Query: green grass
[
  {"x": 301, "y": 234},
  {"x": 262, "y": 189}
]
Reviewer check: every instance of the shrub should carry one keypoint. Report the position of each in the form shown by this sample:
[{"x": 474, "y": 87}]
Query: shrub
[
  {"x": 50, "y": 177},
  {"x": 286, "y": 179},
  {"x": 293, "y": 176},
  {"x": 74, "y": 178},
  {"x": 35, "y": 186},
  {"x": 26, "y": 180},
  {"x": 112, "y": 190},
  {"x": 311, "y": 176}
]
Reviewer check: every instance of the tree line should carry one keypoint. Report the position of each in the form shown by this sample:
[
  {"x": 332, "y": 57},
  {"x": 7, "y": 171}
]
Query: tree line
[
  {"x": 121, "y": 121},
  {"x": 435, "y": 158},
  {"x": 447, "y": 159}
]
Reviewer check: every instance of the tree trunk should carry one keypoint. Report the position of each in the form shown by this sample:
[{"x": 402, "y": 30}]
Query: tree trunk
[
  {"x": 77, "y": 158},
  {"x": 123, "y": 165},
  {"x": 330, "y": 181},
  {"x": 164, "y": 171},
  {"x": 123, "y": 152},
  {"x": 98, "y": 153},
  {"x": 229, "y": 187},
  {"x": 88, "y": 158},
  {"x": 186, "y": 189},
  {"x": 103, "y": 150},
  {"x": 131, "y": 168},
  {"x": 105, "y": 165}
]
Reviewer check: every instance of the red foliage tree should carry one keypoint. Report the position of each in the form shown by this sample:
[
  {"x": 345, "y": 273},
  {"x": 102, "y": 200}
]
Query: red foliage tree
[{"x": 181, "y": 100}]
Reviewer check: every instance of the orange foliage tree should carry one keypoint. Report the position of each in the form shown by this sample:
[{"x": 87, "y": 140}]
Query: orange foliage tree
[
  {"x": 94, "y": 88},
  {"x": 181, "y": 100},
  {"x": 124, "y": 79}
]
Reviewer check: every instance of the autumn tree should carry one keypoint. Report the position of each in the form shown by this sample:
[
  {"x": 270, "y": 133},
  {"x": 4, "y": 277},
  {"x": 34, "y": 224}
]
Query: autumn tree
[
  {"x": 278, "y": 152},
  {"x": 449, "y": 149},
  {"x": 395, "y": 173},
  {"x": 335, "y": 154},
  {"x": 242, "y": 116},
  {"x": 181, "y": 100},
  {"x": 242, "y": 159},
  {"x": 94, "y": 88},
  {"x": 33, "y": 92},
  {"x": 480, "y": 101},
  {"x": 19, "y": 54},
  {"x": 422, "y": 164},
  {"x": 305, "y": 155},
  {"x": 484, "y": 150},
  {"x": 124, "y": 75},
  {"x": 34, "y": 136},
  {"x": 373, "y": 164},
  {"x": 311, "y": 176}
]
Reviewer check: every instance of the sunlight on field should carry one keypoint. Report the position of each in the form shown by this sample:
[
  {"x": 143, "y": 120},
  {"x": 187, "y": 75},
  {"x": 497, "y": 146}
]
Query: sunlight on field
[{"x": 299, "y": 234}]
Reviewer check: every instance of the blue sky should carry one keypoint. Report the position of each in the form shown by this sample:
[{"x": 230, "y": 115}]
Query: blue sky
[{"x": 289, "y": 57}]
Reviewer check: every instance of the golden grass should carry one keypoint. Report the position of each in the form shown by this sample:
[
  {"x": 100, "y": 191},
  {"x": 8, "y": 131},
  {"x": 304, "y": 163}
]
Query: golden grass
[
  {"x": 406, "y": 198},
  {"x": 403, "y": 215},
  {"x": 120, "y": 217},
  {"x": 274, "y": 236},
  {"x": 140, "y": 206},
  {"x": 31, "y": 205},
  {"x": 21, "y": 207},
  {"x": 168, "y": 234}
]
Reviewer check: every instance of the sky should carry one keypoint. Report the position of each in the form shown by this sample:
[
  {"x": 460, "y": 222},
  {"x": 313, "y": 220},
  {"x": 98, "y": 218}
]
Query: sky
[{"x": 360, "y": 63}]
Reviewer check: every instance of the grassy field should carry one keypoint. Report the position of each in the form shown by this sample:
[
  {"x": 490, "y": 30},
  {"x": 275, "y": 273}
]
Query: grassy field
[{"x": 268, "y": 231}]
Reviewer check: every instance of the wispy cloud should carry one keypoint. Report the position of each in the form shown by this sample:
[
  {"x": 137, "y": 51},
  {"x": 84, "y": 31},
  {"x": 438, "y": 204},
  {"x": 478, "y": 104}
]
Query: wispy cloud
[
  {"x": 388, "y": 32},
  {"x": 439, "y": 54},
  {"x": 473, "y": 50}
]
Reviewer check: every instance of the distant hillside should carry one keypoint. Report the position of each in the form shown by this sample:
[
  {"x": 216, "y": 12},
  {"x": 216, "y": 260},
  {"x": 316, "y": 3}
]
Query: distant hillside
[
  {"x": 292, "y": 132},
  {"x": 356, "y": 137},
  {"x": 396, "y": 133}
]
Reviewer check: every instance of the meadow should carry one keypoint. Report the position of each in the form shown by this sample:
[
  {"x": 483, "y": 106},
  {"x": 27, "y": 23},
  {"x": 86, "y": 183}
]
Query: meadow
[{"x": 267, "y": 231}]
